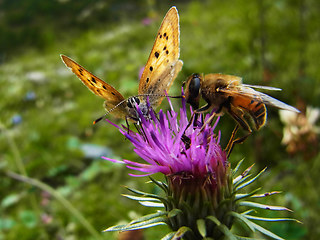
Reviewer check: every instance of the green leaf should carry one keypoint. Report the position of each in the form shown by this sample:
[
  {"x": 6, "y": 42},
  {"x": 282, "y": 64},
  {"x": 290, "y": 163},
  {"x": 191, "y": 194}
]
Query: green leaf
[
  {"x": 181, "y": 232},
  {"x": 235, "y": 170},
  {"x": 137, "y": 198},
  {"x": 151, "y": 204},
  {"x": 267, "y": 194},
  {"x": 246, "y": 238},
  {"x": 169, "y": 236},
  {"x": 214, "y": 219},
  {"x": 147, "y": 195},
  {"x": 149, "y": 217},
  {"x": 247, "y": 195},
  {"x": 263, "y": 206},
  {"x": 251, "y": 180},
  {"x": 245, "y": 173},
  {"x": 160, "y": 184},
  {"x": 201, "y": 225},
  {"x": 174, "y": 212},
  {"x": 9, "y": 200},
  {"x": 271, "y": 219},
  {"x": 243, "y": 219},
  {"x": 137, "y": 225},
  {"x": 238, "y": 181},
  {"x": 265, "y": 231},
  {"x": 223, "y": 228},
  {"x": 29, "y": 218}
]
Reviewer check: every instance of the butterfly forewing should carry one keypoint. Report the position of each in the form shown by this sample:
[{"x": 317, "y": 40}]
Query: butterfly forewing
[
  {"x": 97, "y": 86},
  {"x": 163, "y": 65}
]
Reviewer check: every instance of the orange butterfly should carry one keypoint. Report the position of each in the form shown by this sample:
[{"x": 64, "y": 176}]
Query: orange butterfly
[{"x": 162, "y": 68}]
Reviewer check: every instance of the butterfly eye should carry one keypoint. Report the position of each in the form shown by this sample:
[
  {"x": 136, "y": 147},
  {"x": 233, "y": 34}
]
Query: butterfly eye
[
  {"x": 137, "y": 100},
  {"x": 129, "y": 103},
  {"x": 133, "y": 101}
]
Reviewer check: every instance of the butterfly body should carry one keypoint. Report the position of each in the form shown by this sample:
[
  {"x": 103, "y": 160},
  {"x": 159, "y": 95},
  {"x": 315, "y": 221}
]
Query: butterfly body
[{"x": 162, "y": 68}]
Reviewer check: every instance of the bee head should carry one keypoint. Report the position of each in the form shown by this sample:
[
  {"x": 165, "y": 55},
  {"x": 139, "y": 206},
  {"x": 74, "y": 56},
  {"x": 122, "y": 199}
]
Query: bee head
[{"x": 192, "y": 90}]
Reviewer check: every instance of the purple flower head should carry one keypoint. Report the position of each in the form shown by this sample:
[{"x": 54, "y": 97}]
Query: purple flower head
[{"x": 171, "y": 145}]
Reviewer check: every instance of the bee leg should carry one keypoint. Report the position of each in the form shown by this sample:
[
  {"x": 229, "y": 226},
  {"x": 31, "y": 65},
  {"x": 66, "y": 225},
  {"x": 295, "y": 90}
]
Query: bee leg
[
  {"x": 238, "y": 115},
  {"x": 184, "y": 137},
  {"x": 232, "y": 142},
  {"x": 204, "y": 108},
  {"x": 192, "y": 120},
  {"x": 209, "y": 121}
]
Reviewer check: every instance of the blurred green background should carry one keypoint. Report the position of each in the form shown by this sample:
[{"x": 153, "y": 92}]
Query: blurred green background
[{"x": 46, "y": 130}]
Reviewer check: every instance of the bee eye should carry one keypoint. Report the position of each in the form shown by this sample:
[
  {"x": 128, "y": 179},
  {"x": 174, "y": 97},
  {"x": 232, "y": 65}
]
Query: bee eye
[{"x": 194, "y": 86}]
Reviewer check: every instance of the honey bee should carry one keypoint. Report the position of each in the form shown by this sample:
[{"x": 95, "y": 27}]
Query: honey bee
[{"x": 227, "y": 93}]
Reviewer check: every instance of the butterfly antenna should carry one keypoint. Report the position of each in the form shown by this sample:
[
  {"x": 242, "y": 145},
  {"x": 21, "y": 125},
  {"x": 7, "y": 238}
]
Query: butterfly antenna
[
  {"x": 159, "y": 95},
  {"x": 109, "y": 111}
]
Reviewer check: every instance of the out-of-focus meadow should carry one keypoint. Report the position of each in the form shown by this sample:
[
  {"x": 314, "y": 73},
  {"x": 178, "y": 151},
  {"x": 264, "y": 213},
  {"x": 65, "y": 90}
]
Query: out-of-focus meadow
[{"x": 54, "y": 184}]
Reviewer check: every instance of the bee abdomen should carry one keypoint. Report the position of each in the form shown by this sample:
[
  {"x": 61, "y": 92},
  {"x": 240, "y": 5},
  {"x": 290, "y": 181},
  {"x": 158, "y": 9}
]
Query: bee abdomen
[{"x": 259, "y": 114}]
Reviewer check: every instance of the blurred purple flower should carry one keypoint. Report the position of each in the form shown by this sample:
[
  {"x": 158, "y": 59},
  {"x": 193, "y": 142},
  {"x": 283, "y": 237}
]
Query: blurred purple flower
[
  {"x": 16, "y": 119},
  {"x": 30, "y": 96},
  {"x": 146, "y": 21}
]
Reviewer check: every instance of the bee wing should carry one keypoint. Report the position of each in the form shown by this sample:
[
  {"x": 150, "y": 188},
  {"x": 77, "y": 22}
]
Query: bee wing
[
  {"x": 97, "y": 86},
  {"x": 163, "y": 65},
  {"x": 266, "y": 99},
  {"x": 262, "y": 87}
]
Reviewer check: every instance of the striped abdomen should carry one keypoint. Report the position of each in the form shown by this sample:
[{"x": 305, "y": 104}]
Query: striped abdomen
[{"x": 254, "y": 107}]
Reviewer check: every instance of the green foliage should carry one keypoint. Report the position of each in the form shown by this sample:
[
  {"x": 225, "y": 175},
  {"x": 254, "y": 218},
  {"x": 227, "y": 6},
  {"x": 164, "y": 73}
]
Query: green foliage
[{"x": 46, "y": 113}]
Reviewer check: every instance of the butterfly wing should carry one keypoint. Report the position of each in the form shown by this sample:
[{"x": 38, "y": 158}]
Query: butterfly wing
[
  {"x": 163, "y": 64},
  {"x": 98, "y": 87}
]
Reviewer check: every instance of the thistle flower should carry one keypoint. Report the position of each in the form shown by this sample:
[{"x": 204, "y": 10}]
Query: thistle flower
[{"x": 201, "y": 197}]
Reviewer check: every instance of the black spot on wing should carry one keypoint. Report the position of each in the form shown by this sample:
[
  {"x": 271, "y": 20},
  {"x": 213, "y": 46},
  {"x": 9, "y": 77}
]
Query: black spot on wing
[
  {"x": 147, "y": 80},
  {"x": 90, "y": 82},
  {"x": 80, "y": 70},
  {"x": 113, "y": 93},
  {"x": 165, "y": 34},
  {"x": 104, "y": 87},
  {"x": 164, "y": 48},
  {"x": 151, "y": 68},
  {"x": 156, "y": 54},
  {"x": 167, "y": 52},
  {"x": 93, "y": 79}
]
